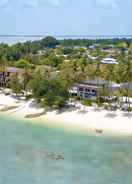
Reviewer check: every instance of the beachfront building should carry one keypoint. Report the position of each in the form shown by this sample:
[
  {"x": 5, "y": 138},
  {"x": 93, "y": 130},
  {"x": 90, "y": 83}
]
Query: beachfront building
[
  {"x": 89, "y": 89},
  {"x": 7, "y": 73}
]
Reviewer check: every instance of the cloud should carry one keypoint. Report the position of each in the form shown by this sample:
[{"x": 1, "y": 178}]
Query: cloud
[{"x": 109, "y": 4}]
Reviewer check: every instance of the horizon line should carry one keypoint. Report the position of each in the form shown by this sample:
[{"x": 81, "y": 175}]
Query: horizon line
[{"x": 41, "y": 35}]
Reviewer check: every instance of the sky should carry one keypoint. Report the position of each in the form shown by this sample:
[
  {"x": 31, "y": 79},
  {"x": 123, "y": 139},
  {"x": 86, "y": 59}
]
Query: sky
[{"x": 66, "y": 17}]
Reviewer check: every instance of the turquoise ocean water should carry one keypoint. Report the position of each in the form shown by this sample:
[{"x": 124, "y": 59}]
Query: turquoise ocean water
[{"x": 36, "y": 154}]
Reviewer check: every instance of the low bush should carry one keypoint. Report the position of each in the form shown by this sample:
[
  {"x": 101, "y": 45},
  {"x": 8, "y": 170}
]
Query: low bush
[
  {"x": 87, "y": 102},
  {"x": 130, "y": 109},
  {"x": 29, "y": 97},
  {"x": 100, "y": 104}
]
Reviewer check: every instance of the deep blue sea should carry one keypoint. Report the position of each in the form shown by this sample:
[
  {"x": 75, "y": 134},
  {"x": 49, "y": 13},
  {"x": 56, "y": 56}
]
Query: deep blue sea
[{"x": 36, "y": 154}]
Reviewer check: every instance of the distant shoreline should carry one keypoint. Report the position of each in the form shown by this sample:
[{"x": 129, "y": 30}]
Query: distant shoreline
[
  {"x": 68, "y": 36},
  {"x": 12, "y": 39}
]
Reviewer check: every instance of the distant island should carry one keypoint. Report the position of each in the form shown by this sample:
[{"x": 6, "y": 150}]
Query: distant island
[{"x": 70, "y": 36}]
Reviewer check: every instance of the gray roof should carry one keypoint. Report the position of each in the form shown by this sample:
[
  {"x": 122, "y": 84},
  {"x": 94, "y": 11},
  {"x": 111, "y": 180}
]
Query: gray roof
[
  {"x": 96, "y": 82},
  {"x": 127, "y": 85},
  {"x": 100, "y": 82},
  {"x": 14, "y": 70}
]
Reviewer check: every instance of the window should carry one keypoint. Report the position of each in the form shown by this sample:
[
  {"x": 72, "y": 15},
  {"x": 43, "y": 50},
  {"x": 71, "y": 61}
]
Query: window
[
  {"x": 87, "y": 90},
  {"x": 81, "y": 94},
  {"x": 87, "y": 95},
  {"x": 80, "y": 89},
  {"x": 93, "y": 91}
]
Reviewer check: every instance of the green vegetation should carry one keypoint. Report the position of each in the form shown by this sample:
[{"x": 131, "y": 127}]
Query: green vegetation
[
  {"x": 51, "y": 67},
  {"x": 16, "y": 85},
  {"x": 50, "y": 92},
  {"x": 87, "y": 102},
  {"x": 130, "y": 109}
]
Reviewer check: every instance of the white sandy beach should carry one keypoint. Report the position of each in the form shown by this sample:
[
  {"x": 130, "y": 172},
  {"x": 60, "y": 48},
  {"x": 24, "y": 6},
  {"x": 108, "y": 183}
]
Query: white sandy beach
[{"x": 82, "y": 118}]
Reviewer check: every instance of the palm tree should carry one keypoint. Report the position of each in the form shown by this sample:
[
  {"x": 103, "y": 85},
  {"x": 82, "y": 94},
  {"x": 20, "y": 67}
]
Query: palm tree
[
  {"x": 98, "y": 72},
  {"x": 125, "y": 74},
  {"x": 3, "y": 65},
  {"x": 110, "y": 76},
  {"x": 128, "y": 75}
]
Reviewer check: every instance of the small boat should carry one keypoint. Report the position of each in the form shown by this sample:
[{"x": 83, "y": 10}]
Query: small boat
[{"x": 99, "y": 131}]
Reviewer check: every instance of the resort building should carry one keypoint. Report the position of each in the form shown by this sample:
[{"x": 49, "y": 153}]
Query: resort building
[
  {"x": 92, "y": 57},
  {"x": 40, "y": 52},
  {"x": 89, "y": 89},
  {"x": 7, "y": 73},
  {"x": 109, "y": 61},
  {"x": 93, "y": 46}
]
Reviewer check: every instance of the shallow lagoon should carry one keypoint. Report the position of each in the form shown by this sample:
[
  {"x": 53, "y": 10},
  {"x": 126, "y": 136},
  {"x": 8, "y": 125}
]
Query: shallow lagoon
[{"x": 35, "y": 154}]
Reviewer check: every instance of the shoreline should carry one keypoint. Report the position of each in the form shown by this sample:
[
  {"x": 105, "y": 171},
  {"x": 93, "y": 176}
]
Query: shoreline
[{"x": 86, "y": 119}]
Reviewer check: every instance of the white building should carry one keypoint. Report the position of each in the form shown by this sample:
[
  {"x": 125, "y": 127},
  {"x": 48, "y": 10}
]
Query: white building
[{"x": 109, "y": 61}]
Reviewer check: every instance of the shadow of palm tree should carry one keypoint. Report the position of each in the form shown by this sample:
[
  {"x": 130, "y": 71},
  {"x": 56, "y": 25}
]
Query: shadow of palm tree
[
  {"x": 34, "y": 104},
  {"x": 111, "y": 115},
  {"x": 127, "y": 114},
  {"x": 66, "y": 109},
  {"x": 35, "y": 115},
  {"x": 97, "y": 109},
  {"x": 82, "y": 111}
]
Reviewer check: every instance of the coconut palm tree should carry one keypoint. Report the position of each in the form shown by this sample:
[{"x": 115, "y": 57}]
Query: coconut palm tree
[
  {"x": 128, "y": 75},
  {"x": 3, "y": 65},
  {"x": 125, "y": 74}
]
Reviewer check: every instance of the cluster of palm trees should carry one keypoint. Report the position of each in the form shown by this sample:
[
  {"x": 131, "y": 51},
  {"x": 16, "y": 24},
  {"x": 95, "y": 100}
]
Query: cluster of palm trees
[
  {"x": 79, "y": 69},
  {"x": 121, "y": 74}
]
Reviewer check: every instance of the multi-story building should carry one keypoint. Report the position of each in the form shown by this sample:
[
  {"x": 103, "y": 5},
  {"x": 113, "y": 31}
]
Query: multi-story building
[
  {"x": 6, "y": 74},
  {"x": 91, "y": 88}
]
